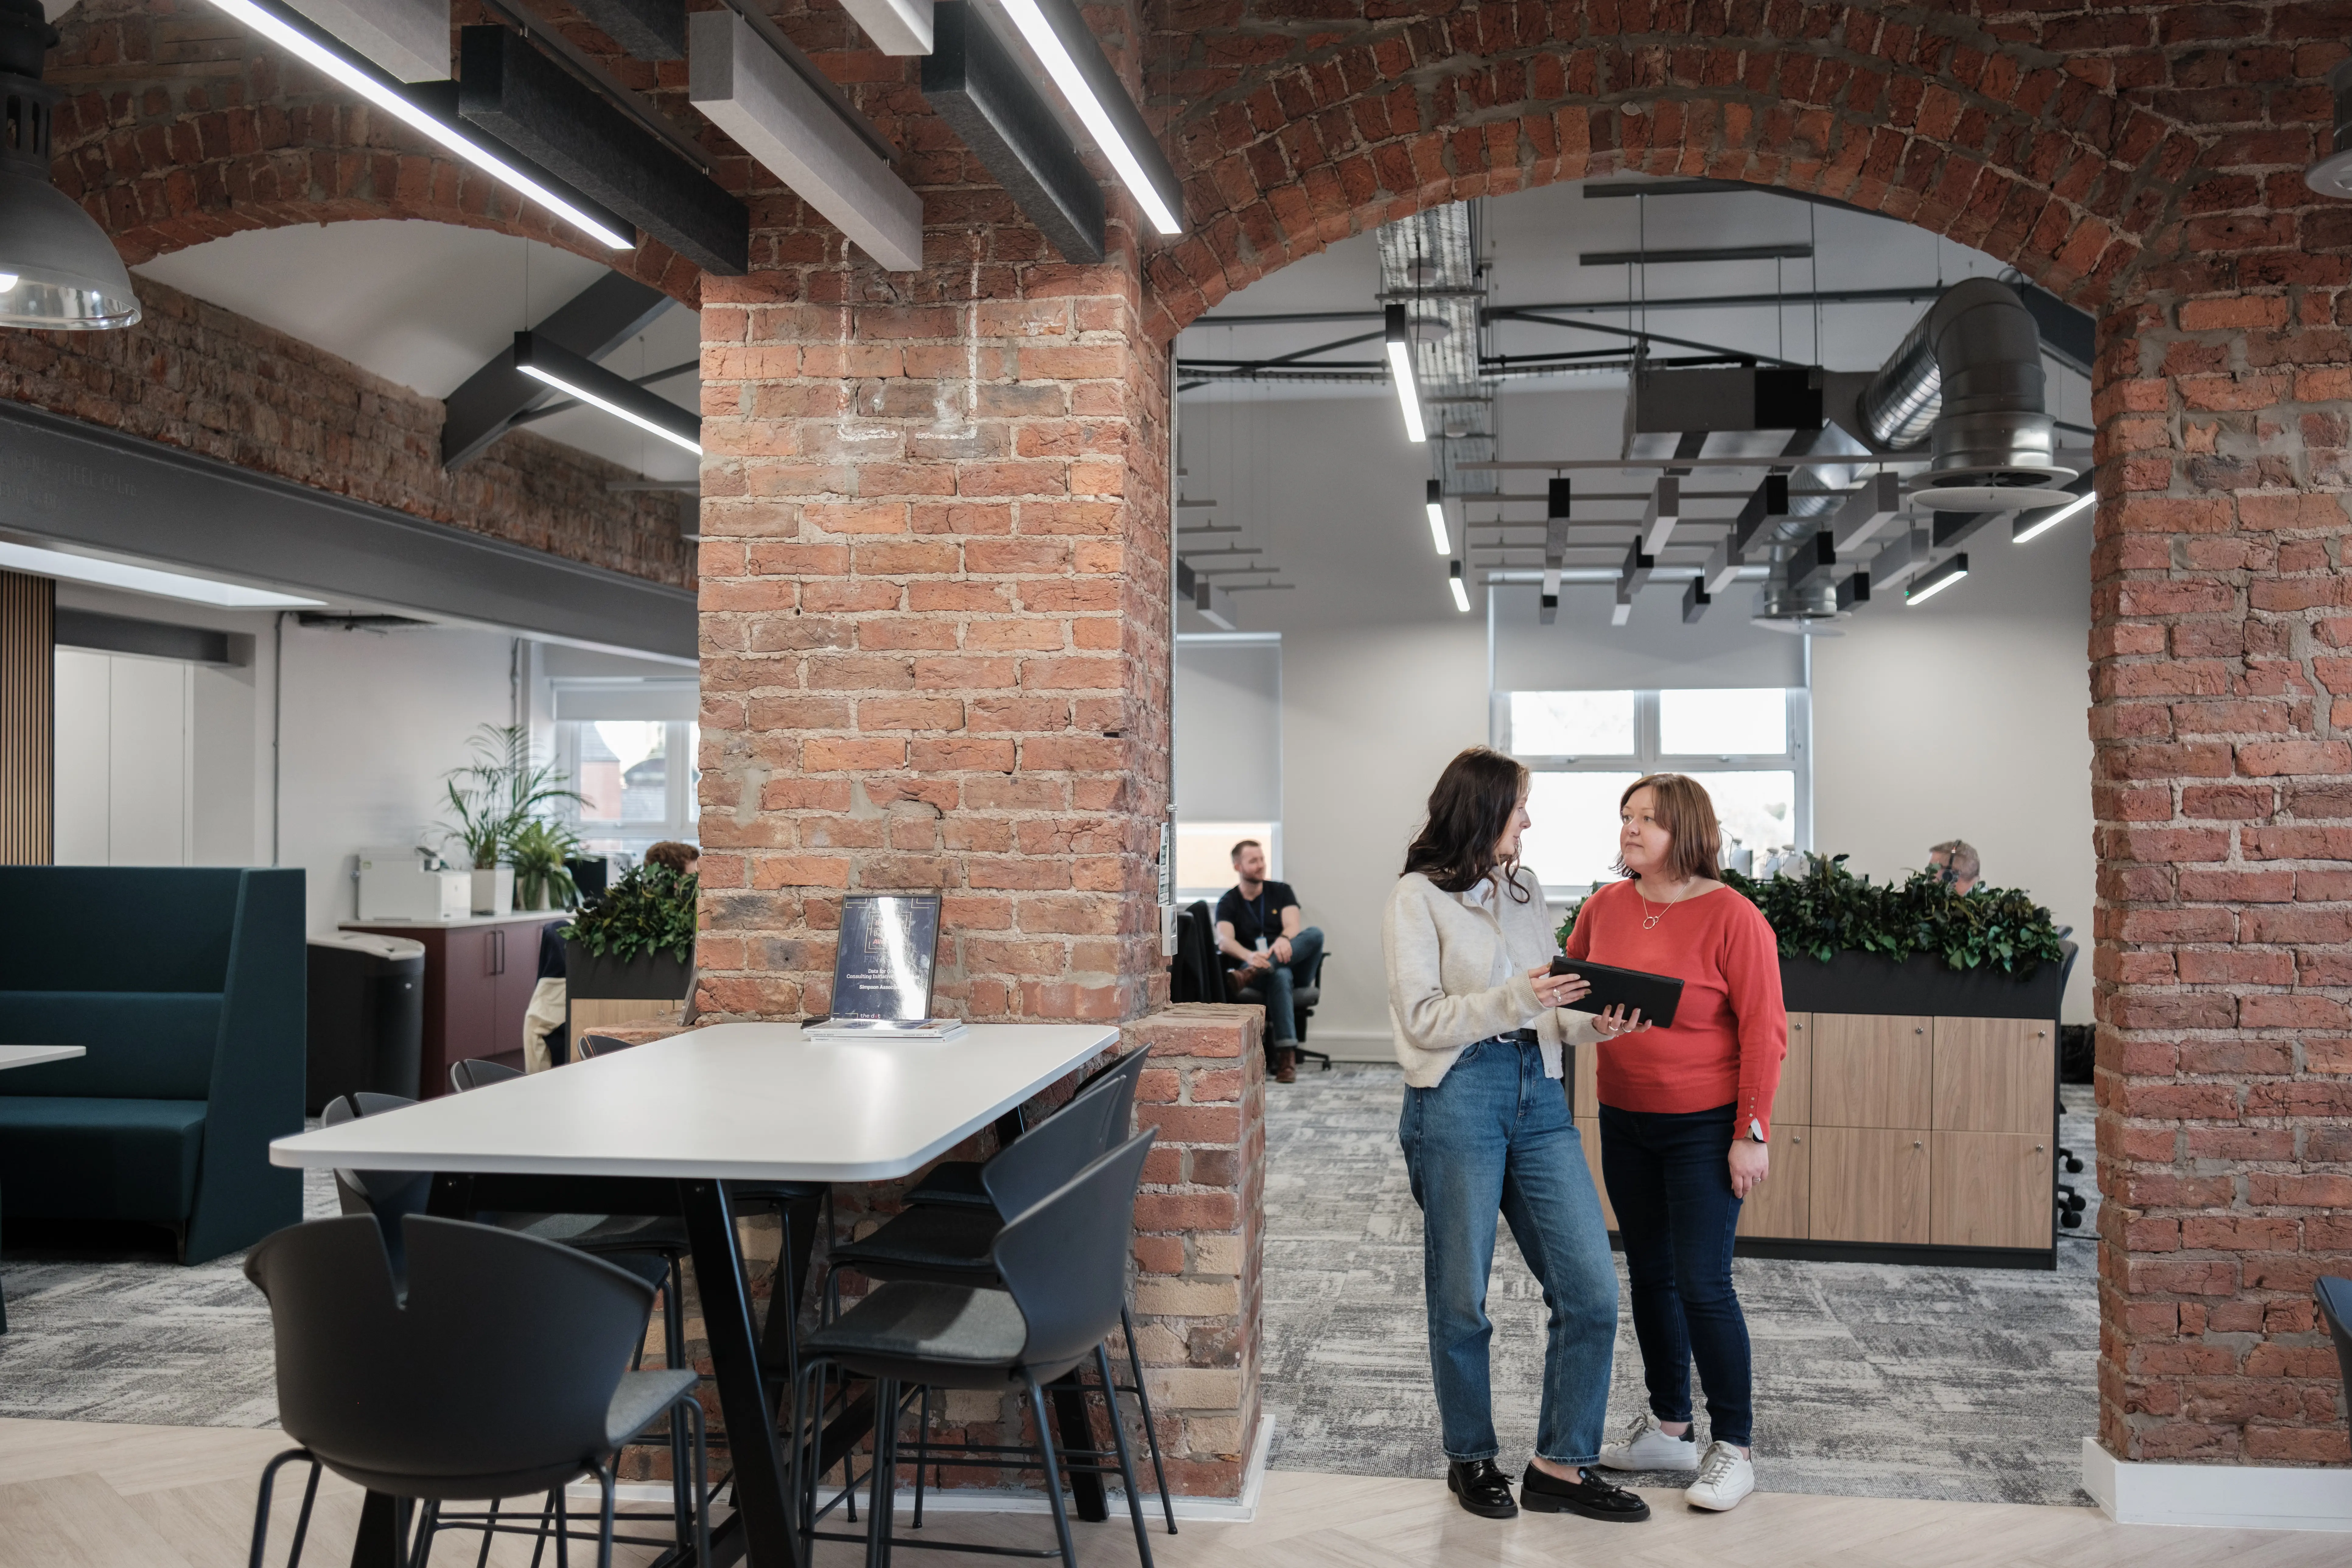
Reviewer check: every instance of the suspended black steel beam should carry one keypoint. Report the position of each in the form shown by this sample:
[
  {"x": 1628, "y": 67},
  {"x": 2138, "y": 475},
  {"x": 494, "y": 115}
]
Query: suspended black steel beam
[
  {"x": 991, "y": 104},
  {"x": 592, "y": 322},
  {"x": 1516, "y": 314},
  {"x": 535, "y": 106},
  {"x": 1788, "y": 252}
]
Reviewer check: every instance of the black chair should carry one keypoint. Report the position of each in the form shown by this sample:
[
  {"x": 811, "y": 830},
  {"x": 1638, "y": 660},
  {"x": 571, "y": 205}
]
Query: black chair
[
  {"x": 949, "y": 1244},
  {"x": 958, "y": 1181},
  {"x": 594, "y": 1046},
  {"x": 1061, "y": 1268},
  {"x": 1304, "y": 999},
  {"x": 503, "y": 1373},
  {"x": 479, "y": 1072}
]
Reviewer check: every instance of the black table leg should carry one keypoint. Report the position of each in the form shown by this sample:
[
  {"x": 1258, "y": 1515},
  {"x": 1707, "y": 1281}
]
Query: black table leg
[
  {"x": 378, "y": 1542},
  {"x": 1078, "y": 1432},
  {"x": 751, "y": 1442}
]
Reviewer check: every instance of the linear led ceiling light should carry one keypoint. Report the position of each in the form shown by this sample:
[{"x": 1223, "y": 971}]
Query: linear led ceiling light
[
  {"x": 2034, "y": 524},
  {"x": 1057, "y": 35},
  {"x": 1436, "y": 505},
  {"x": 1461, "y": 594},
  {"x": 324, "y": 54},
  {"x": 593, "y": 385},
  {"x": 1934, "y": 580},
  {"x": 1408, "y": 389}
]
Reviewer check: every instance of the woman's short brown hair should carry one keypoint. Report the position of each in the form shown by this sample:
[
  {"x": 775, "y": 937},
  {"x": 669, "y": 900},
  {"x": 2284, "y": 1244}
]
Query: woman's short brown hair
[{"x": 1694, "y": 838}]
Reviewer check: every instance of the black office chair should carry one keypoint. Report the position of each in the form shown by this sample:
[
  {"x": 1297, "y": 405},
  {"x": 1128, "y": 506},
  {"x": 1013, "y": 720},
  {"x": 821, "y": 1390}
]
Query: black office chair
[
  {"x": 594, "y": 1046},
  {"x": 1062, "y": 1264},
  {"x": 945, "y": 1243},
  {"x": 502, "y": 1373},
  {"x": 957, "y": 1182},
  {"x": 1304, "y": 1000},
  {"x": 479, "y": 1072}
]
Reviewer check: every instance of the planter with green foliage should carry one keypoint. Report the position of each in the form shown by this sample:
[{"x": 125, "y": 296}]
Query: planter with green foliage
[
  {"x": 637, "y": 940},
  {"x": 1851, "y": 945}
]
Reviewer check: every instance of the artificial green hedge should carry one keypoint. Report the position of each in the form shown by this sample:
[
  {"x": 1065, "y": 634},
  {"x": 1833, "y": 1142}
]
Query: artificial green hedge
[{"x": 1829, "y": 909}]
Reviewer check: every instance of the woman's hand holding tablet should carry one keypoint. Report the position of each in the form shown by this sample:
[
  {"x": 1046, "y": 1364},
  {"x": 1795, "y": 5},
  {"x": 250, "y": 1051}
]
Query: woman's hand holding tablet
[{"x": 1625, "y": 999}]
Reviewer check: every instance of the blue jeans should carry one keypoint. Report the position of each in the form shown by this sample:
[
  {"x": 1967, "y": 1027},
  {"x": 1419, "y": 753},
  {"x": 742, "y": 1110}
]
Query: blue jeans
[
  {"x": 1281, "y": 983},
  {"x": 1495, "y": 1134},
  {"x": 1670, "y": 1179}
]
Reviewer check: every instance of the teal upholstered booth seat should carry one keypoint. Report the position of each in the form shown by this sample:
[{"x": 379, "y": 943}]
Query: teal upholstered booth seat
[{"x": 185, "y": 987}]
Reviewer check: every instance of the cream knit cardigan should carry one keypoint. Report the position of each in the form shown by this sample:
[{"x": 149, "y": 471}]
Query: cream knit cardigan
[{"x": 1441, "y": 955}]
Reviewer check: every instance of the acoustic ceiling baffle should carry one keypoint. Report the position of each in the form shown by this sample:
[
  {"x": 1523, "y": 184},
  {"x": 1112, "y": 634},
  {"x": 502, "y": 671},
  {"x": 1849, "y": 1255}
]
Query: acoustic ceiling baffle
[
  {"x": 970, "y": 81},
  {"x": 648, "y": 30},
  {"x": 510, "y": 90},
  {"x": 894, "y": 26},
  {"x": 410, "y": 38},
  {"x": 749, "y": 90}
]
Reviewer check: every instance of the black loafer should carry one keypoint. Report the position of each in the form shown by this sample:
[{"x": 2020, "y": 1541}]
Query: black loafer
[
  {"x": 1483, "y": 1490},
  {"x": 1592, "y": 1499}
]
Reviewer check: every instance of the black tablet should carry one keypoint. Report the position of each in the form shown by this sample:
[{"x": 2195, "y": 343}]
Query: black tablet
[{"x": 1656, "y": 996}]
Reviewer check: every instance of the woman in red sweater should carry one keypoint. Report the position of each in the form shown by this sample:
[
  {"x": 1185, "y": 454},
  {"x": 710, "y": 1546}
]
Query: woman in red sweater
[{"x": 1684, "y": 1113}]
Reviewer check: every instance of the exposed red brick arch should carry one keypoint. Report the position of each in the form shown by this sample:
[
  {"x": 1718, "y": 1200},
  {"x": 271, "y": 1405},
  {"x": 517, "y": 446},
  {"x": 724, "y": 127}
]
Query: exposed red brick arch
[
  {"x": 2037, "y": 138},
  {"x": 181, "y": 129}
]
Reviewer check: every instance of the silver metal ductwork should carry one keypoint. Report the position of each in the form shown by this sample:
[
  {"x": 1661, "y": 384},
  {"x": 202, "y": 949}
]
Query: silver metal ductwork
[{"x": 1968, "y": 380}]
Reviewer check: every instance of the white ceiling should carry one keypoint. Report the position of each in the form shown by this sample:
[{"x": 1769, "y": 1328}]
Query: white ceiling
[
  {"x": 1320, "y": 479},
  {"x": 425, "y": 305}
]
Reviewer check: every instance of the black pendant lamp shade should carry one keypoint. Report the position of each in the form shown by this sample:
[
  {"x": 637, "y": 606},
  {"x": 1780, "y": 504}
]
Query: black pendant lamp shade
[{"x": 57, "y": 270}]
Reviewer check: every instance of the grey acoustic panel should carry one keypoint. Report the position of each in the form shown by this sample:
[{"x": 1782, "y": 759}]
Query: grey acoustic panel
[
  {"x": 541, "y": 111},
  {"x": 71, "y": 483},
  {"x": 649, "y": 29},
  {"x": 592, "y": 322},
  {"x": 969, "y": 79}
]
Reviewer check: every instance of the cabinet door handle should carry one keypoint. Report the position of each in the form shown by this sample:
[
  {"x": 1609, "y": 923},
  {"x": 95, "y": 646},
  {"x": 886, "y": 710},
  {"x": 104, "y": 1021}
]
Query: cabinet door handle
[
  {"x": 1793, "y": 1138},
  {"x": 1916, "y": 1144},
  {"x": 2037, "y": 1148}
]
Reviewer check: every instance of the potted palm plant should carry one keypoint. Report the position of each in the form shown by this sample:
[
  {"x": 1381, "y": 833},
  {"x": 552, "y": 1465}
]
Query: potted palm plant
[
  {"x": 539, "y": 852},
  {"x": 494, "y": 799}
]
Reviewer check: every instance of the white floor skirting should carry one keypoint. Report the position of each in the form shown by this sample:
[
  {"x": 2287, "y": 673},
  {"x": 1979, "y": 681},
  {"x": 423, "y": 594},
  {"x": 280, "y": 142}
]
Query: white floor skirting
[{"x": 2219, "y": 1496}]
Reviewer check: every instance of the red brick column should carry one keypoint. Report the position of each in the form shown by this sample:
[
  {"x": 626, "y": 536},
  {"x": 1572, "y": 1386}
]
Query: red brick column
[
  {"x": 1200, "y": 1237},
  {"x": 2222, "y": 639},
  {"x": 935, "y": 632}
]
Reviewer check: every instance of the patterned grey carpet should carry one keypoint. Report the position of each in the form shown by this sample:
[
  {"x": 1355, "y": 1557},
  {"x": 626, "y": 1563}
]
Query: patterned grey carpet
[
  {"x": 136, "y": 1337},
  {"x": 1871, "y": 1380}
]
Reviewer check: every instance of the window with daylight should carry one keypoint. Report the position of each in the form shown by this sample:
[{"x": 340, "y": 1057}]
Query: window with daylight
[
  {"x": 1747, "y": 746},
  {"x": 637, "y": 780}
]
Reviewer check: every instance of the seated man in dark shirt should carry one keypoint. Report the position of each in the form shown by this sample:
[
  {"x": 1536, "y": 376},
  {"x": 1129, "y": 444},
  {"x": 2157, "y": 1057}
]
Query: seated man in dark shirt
[{"x": 1259, "y": 926}]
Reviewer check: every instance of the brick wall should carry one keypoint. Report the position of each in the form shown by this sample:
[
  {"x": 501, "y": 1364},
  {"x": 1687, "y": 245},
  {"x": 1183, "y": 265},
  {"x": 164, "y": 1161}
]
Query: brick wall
[{"x": 195, "y": 376}]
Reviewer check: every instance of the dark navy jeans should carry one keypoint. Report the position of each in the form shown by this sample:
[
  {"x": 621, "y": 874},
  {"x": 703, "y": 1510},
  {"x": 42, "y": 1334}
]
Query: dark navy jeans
[
  {"x": 1670, "y": 1179},
  {"x": 1494, "y": 1135},
  {"x": 1281, "y": 981}
]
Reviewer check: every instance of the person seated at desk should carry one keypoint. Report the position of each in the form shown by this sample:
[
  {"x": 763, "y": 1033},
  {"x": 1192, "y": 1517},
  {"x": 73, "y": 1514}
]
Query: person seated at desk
[
  {"x": 685, "y": 859},
  {"x": 1956, "y": 860},
  {"x": 1259, "y": 924}
]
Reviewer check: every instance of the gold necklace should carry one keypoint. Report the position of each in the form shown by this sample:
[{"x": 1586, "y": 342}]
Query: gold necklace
[{"x": 1650, "y": 922}]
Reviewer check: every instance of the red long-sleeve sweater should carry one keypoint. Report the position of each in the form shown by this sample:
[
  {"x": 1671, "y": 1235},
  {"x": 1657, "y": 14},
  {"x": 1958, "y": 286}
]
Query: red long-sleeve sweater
[{"x": 1730, "y": 1030}]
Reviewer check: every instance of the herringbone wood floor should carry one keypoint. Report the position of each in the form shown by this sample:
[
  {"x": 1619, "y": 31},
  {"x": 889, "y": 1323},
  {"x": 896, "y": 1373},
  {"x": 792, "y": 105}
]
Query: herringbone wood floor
[{"x": 86, "y": 1495}]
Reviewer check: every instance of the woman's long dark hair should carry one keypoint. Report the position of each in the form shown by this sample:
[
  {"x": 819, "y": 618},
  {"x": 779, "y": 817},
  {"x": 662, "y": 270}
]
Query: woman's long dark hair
[{"x": 1469, "y": 810}]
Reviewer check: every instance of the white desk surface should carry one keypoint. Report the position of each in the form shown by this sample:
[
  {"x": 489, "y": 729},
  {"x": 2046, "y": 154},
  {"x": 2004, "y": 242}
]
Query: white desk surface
[
  {"x": 31, "y": 1055},
  {"x": 738, "y": 1101}
]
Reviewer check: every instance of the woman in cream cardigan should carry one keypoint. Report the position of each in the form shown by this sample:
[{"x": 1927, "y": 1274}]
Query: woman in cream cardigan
[{"x": 1486, "y": 1128}]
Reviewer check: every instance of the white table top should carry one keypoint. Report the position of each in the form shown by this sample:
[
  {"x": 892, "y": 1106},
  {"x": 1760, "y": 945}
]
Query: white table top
[
  {"x": 738, "y": 1101},
  {"x": 30, "y": 1056}
]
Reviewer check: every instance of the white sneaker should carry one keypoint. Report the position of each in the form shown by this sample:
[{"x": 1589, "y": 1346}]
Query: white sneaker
[
  {"x": 1724, "y": 1478},
  {"x": 1645, "y": 1447}
]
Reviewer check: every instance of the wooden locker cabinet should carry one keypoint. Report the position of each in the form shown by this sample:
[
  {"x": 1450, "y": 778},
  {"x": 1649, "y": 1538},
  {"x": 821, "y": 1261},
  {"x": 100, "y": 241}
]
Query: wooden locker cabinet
[
  {"x": 1990, "y": 1189},
  {"x": 1782, "y": 1207},
  {"x": 1871, "y": 1185},
  {"x": 1871, "y": 1069},
  {"x": 1794, "y": 1102},
  {"x": 1993, "y": 1074}
]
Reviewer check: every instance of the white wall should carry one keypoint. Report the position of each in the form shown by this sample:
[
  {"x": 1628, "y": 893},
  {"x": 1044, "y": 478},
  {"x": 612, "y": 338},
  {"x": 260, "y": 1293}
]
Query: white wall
[
  {"x": 1967, "y": 717},
  {"x": 1371, "y": 716}
]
